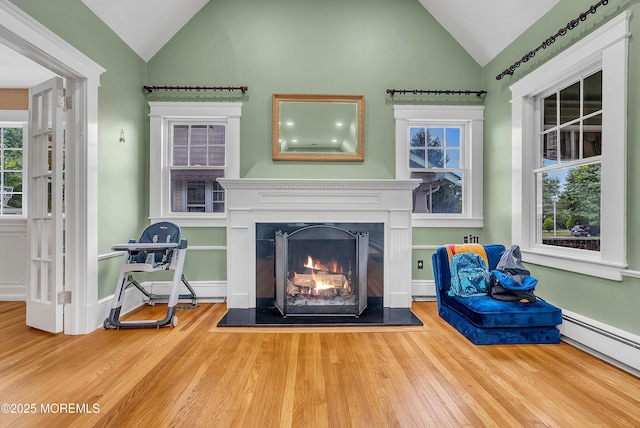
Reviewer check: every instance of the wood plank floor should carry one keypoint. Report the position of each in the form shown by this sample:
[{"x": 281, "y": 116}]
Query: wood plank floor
[{"x": 201, "y": 375}]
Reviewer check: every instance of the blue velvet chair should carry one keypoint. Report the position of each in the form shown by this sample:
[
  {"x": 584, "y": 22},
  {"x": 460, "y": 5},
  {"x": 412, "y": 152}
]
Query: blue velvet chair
[{"x": 487, "y": 321}]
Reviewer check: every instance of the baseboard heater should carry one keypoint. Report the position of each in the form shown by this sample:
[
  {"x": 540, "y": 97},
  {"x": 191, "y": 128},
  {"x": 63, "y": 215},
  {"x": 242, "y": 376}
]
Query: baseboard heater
[{"x": 617, "y": 347}]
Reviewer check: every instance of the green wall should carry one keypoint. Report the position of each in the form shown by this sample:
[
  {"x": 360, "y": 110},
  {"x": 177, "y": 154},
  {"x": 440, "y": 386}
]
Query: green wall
[
  {"x": 358, "y": 47},
  {"x": 123, "y": 167},
  {"x": 332, "y": 47},
  {"x": 610, "y": 302}
]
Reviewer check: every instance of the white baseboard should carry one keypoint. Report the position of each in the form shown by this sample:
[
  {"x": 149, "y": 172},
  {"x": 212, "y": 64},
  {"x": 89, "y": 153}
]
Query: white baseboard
[
  {"x": 423, "y": 290},
  {"x": 615, "y": 346},
  {"x": 206, "y": 291},
  {"x": 13, "y": 291}
]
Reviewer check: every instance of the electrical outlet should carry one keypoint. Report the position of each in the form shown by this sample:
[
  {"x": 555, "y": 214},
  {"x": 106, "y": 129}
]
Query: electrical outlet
[{"x": 420, "y": 264}]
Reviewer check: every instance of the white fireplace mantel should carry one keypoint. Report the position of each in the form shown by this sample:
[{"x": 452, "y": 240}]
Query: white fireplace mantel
[{"x": 253, "y": 201}]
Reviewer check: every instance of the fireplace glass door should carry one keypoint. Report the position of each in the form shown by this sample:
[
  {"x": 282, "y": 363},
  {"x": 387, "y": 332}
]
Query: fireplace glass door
[{"x": 321, "y": 270}]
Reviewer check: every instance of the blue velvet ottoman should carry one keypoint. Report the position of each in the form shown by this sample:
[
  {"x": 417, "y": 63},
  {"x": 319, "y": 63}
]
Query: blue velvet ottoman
[{"x": 487, "y": 321}]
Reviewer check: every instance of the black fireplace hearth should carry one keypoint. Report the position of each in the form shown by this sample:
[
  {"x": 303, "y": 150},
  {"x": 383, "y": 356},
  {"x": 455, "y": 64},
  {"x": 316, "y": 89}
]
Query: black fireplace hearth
[{"x": 374, "y": 316}]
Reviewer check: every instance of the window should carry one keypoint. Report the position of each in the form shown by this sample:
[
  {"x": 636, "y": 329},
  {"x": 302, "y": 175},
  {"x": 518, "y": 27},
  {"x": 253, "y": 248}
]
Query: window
[
  {"x": 568, "y": 171},
  {"x": 197, "y": 160},
  {"x": 569, "y": 156},
  {"x": 434, "y": 157},
  {"x": 442, "y": 147},
  {"x": 11, "y": 169},
  {"x": 192, "y": 145}
]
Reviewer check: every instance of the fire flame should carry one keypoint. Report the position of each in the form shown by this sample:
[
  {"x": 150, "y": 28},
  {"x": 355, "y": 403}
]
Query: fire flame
[{"x": 333, "y": 267}]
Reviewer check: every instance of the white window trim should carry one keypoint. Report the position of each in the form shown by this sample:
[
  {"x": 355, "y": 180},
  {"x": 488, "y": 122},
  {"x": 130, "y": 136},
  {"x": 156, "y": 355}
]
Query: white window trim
[
  {"x": 607, "y": 48},
  {"x": 472, "y": 117},
  {"x": 161, "y": 113}
]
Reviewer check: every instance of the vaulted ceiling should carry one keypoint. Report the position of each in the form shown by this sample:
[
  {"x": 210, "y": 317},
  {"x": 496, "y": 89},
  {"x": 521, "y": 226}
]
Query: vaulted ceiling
[
  {"x": 485, "y": 27},
  {"x": 482, "y": 27}
]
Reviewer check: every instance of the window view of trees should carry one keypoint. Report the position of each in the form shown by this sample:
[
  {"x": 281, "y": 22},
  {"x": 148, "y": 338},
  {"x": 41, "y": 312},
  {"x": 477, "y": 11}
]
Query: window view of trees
[
  {"x": 571, "y": 151},
  {"x": 577, "y": 205},
  {"x": 11, "y": 170},
  {"x": 434, "y": 157}
]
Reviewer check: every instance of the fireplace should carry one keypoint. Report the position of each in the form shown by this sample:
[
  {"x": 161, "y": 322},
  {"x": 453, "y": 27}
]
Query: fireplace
[
  {"x": 350, "y": 256},
  {"x": 321, "y": 270},
  {"x": 292, "y": 204}
]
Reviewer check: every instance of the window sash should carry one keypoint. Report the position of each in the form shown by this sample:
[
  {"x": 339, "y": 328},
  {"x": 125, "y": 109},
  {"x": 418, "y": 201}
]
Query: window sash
[
  {"x": 566, "y": 139},
  {"x": 197, "y": 144},
  {"x": 436, "y": 156},
  {"x": 561, "y": 141},
  {"x": 196, "y": 190},
  {"x": 444, "y": 150},
  {"x": 197, "y": 157}
]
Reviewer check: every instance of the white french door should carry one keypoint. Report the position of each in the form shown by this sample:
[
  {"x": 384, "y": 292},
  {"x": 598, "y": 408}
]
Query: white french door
[{"x": 45, "y": 227}]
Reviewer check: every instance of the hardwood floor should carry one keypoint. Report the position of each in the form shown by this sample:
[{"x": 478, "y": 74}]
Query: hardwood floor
[{"x": 201, "y": 375}]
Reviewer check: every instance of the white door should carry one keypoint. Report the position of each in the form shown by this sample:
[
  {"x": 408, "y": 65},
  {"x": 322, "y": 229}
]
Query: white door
[{"x": 45, "y": 229}]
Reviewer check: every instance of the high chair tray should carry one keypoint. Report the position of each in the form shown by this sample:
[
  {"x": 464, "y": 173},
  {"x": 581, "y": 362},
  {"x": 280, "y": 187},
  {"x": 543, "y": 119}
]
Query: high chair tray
[{"x": 144, "y": 246}]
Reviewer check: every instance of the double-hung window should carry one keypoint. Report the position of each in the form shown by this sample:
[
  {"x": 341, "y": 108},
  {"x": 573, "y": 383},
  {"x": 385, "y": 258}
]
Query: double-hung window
[
  {"x": 192, "y": 145},
  {"x": 11, "y": 169},
  {"x": 442, "y": 147},
  {"x": 569, "y": 119},
  {"x": 197, "y": 160},
  {"x": 567, "y": 175}
]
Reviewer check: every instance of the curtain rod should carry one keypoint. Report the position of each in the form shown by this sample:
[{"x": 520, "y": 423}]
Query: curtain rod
[
  {"x": 434, "y": 92},
  {"x": 150, "y": 89},
  {"x": 551, "y": 39}
]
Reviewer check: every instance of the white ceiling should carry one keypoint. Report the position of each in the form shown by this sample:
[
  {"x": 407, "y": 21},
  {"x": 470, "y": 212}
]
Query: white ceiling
[
  {"x": 19, "y": 72},
  {"x": 483, "y": 27},
  {"x": 145, "y": 25}
]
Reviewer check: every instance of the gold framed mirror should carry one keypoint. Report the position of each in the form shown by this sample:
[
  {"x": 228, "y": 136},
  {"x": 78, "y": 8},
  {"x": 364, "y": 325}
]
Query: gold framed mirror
[{"x": 318, "y": 127}]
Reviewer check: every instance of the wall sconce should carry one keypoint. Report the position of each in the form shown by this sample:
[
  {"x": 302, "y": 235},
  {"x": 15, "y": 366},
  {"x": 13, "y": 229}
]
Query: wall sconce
[{"x": 122, "y": 135}]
